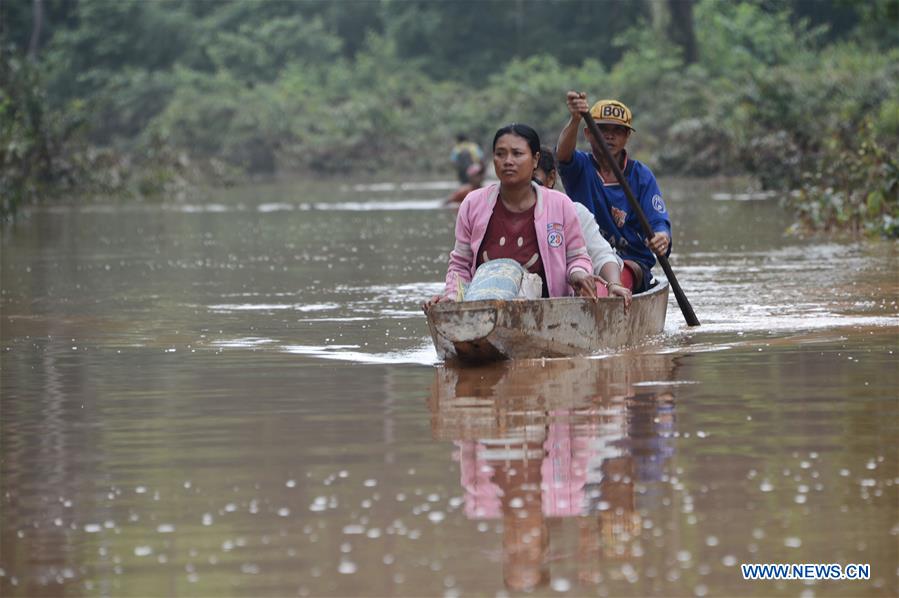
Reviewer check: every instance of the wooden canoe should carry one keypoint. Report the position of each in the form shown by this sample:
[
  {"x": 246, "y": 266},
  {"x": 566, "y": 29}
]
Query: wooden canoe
[{"x": 483, "y": 331}]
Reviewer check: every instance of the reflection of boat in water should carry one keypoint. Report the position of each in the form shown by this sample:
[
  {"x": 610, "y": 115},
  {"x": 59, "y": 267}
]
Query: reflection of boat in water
[
  {"x": 482, "y": 331},
  {"x": 540, "y": 442},
  {"x": 485, "y": 401}
]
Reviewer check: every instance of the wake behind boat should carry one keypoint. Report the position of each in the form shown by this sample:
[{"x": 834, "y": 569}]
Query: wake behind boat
[{"x": 477, "y": 332}]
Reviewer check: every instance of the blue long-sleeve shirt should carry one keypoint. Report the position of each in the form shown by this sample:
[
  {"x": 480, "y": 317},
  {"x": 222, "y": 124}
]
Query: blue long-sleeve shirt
[{"x": 608, "y": 203}]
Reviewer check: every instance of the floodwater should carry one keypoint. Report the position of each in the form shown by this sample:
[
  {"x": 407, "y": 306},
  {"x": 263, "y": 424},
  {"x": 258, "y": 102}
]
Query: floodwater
[{"x": 235, "y": 394}]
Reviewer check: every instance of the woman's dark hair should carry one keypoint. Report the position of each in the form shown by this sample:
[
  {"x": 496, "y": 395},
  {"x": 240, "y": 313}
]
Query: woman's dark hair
[
  {"x": 547, "y": 160},
  {"x": 525, "y": 132}
]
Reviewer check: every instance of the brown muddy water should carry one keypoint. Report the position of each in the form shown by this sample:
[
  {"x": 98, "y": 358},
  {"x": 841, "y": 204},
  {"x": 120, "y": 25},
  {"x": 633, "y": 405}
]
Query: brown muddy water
[{"x": 237, "y": 396}]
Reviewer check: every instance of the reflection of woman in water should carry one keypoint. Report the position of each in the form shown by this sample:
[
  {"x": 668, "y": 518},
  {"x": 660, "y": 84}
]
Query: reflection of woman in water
[
  {"x": 525, "y": 536},
  {"x": 570, "y": 464},
  {"x": 525, "y": 460}
]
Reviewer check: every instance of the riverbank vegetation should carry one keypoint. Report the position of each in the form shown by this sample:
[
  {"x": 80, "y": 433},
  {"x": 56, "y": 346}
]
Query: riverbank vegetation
[{"x": 138, "y": 98}]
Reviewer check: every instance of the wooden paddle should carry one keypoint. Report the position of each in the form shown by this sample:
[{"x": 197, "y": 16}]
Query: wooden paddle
[{"x": 682, "y": 300}]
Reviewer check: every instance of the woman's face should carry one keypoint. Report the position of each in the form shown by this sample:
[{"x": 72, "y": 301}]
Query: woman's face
[{"x": 513, "y": 160}]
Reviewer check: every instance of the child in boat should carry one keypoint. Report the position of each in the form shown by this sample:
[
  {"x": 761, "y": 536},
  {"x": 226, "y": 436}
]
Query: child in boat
[
  {"x": 615, "y": 280},
  {"x": 519, "y": 219}
]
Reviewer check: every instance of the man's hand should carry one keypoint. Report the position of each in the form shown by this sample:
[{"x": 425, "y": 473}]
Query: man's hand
[
  {"x": 577, "y": 103},
  {"x": 659, "y": 243}
]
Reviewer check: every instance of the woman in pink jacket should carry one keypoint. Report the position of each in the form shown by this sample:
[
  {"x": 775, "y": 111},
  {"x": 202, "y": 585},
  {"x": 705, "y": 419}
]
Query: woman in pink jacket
[{"x": 521, "y": 220}]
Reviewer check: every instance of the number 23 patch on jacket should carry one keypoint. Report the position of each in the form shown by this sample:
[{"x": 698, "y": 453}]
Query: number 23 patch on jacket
[{"x": 554, "y": 235}]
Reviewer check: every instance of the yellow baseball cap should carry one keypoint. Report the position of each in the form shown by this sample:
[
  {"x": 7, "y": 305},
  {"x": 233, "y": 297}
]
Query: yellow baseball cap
[{"x": 612, "y": 112}]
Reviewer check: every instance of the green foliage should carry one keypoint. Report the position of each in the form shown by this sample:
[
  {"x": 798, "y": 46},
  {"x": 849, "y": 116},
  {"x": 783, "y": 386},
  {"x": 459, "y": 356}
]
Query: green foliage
[
  {"x": 879, "y": 22},
  {"x": 532, "y": 91},
  {"x": 111, "y": 38},
  {"x": 256, "y": 52},
  {"x": 766, "y": 100},
  {"x": 217, "y": 115},
  {"x": 854, "y": 186},
  {"x": 142, "y": 97},
  {"x": 29, "y": 134},
  {"x": 799, "y": 104},
  {"x": 16, "y": 20},
  {"x": 469, "y": 40},
  {"x": 742, "y": 38}
]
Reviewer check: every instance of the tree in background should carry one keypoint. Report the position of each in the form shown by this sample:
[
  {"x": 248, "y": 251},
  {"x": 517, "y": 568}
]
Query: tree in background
[
  {"x": 468, "y": 40},
  {"x": 674, "y": 19},
  {"x": 186, "y": 89}
]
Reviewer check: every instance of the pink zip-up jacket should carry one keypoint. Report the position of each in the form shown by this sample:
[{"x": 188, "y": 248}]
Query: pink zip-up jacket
[{"x": 562, "y": 246}]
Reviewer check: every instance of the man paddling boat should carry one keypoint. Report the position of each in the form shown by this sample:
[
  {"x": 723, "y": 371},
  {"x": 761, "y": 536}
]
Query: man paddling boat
[{"x": 589, "y": 180}]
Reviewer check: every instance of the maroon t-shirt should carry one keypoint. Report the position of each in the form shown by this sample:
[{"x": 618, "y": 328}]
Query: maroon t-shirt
[{"x": 512, "y": 235}]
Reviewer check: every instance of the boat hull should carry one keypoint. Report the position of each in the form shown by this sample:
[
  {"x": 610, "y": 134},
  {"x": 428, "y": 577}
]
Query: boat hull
[{"x": 483, "y": 331}]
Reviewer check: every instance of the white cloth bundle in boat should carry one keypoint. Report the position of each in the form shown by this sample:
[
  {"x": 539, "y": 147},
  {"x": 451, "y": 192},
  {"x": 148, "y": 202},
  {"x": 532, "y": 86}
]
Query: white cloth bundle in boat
[{"x": 503, "y": 279}]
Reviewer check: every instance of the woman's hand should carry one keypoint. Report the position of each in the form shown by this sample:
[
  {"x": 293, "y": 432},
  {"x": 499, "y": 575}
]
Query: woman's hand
[
  {"x": 583, "y": 284},
  {"x": 426, "y": 306},
  {"x": 619, "y": 290}
]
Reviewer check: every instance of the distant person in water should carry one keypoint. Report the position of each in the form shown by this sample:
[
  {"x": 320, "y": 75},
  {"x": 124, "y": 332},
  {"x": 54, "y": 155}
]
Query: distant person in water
[
  {"x": 606, "y": 263},
  {"x": 464, "y": 154},
  {"x": 520, "y": 220},
  {"x": 589, "y": 180},
  {"x": 475, "y": 173}
]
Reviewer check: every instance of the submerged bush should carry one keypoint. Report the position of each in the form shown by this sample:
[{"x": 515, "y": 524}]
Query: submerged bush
[
  {"x": 32, "y": 136},
  {"x": 854, "y": 187}
]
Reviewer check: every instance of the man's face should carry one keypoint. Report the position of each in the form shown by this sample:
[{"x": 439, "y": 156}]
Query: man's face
[{"x": 616, "y": 137}]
